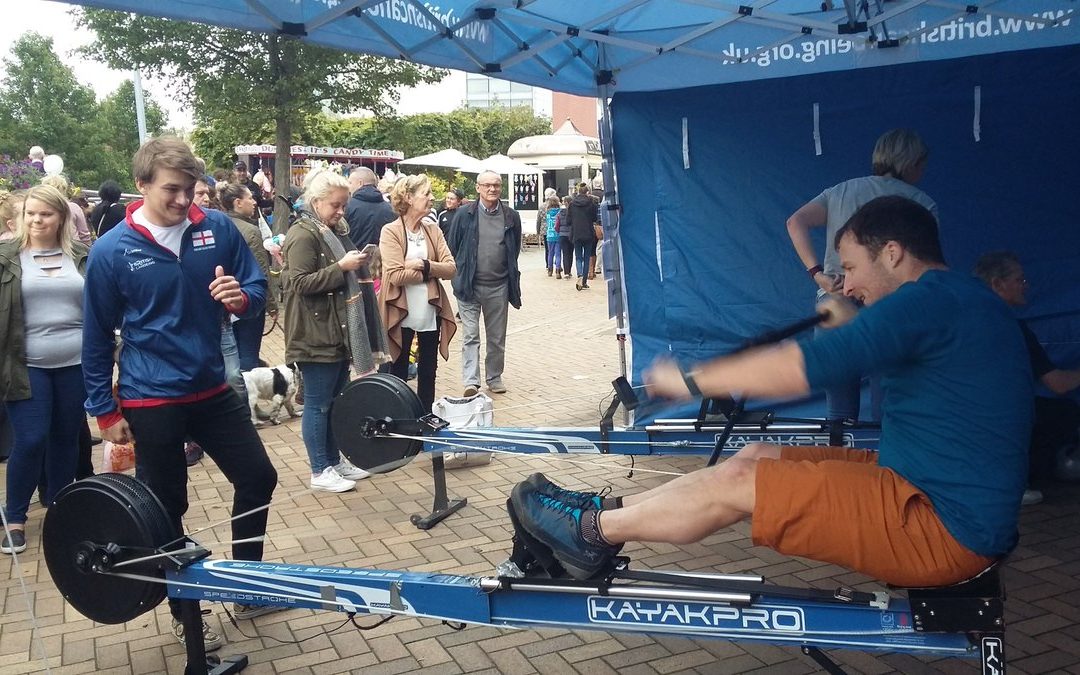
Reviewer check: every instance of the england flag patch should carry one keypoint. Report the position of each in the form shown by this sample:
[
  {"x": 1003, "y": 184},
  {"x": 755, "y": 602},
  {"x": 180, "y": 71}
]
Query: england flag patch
[{"x": 201, "y": 239}]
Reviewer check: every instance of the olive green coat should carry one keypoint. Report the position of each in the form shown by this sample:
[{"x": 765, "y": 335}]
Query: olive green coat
[{"x": 314, "y": 290}]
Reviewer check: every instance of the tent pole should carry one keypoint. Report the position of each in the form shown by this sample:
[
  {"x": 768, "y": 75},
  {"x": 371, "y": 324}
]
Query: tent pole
[{"x": 610, "y": 219}]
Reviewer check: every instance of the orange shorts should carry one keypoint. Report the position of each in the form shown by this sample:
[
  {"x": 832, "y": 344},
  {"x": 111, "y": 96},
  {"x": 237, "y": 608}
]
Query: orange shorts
[{"x": 838, "y": 506}]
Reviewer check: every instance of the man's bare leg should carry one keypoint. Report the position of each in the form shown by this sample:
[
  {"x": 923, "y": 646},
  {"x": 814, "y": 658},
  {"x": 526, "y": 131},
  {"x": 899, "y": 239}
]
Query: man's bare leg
[
  {"x": 754, "y": 451},
  {"x": 691, "y": 507}
]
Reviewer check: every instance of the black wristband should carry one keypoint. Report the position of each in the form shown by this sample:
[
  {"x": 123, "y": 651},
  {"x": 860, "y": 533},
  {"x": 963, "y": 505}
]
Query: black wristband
[
  {"x": 427, "y": 269},
  {"x": 813, "y": 271},
  {"x": 691, "y": 385}
]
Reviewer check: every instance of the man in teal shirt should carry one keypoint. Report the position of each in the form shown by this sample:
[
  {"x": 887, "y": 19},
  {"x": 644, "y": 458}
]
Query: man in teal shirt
[{"x": 938, "y": 502}]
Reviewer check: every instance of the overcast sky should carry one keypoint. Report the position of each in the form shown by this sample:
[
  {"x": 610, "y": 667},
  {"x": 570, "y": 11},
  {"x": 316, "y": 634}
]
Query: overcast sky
[{"x": 54, "y": 20}]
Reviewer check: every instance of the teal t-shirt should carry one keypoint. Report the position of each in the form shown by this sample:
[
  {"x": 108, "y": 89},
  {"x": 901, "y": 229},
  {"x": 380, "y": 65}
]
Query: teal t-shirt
[{"x": 957, "y": 412}]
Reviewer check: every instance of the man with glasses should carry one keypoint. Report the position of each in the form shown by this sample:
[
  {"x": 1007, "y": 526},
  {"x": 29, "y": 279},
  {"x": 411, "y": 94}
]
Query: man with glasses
[
  {"x": 1056, "y": 418},
  {"x": 485, "y": 238}
]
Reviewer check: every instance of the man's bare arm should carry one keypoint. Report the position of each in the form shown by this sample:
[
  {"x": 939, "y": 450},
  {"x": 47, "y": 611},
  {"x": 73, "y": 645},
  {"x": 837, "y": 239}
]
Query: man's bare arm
[{"x": 766, "y": 372}]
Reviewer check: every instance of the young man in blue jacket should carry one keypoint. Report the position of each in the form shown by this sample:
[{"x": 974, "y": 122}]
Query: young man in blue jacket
[{"x": 167, "y": 276}]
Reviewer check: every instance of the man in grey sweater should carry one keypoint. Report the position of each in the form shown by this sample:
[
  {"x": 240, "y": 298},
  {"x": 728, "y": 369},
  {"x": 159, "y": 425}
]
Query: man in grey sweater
[{"x": 485, "y": 238}]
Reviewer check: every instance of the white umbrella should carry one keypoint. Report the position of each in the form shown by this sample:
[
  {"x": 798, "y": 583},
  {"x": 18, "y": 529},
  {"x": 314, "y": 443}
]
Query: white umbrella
[
  {"x": 501, "y": 164},
  {"x": 446, "y": 159}
]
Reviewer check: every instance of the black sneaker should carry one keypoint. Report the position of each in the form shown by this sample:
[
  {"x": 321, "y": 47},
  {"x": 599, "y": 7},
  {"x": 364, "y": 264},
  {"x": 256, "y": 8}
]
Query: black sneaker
[
  {"x": 557, "y": 525},
  {"x": 585, "y": 500},
  {"x": 15, "y": 542}
]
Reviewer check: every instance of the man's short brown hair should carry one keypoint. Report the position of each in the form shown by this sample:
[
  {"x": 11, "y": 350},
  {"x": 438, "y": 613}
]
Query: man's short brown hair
[{"x": 164, "y": 152}]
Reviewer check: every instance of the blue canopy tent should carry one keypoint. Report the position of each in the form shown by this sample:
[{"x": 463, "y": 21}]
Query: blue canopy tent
[{"x": 725, "y": 117}]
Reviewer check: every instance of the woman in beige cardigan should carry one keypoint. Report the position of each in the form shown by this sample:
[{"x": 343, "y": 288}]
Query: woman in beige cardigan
[{"x": 412, "y": 300}]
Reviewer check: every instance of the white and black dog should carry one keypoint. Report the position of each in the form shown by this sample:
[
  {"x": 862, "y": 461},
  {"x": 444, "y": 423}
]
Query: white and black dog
[{"x": 277, "y": 385}]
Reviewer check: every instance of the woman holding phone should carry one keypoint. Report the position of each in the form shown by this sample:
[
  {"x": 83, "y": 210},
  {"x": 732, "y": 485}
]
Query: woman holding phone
[
  {"x": 330, "y": 320},
  {"x": 412, "y": 300}
]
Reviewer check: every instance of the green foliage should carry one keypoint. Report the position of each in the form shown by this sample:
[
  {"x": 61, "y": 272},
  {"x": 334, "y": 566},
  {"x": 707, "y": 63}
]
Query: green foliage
[
  {"x": 476, "y": 132},
  {"x": 41, "y": 103},
  {"x": 249, "y": 87}
]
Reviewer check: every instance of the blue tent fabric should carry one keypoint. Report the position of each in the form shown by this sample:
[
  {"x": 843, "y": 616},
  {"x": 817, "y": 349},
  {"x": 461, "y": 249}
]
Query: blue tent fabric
[
  {"x": 640, "y": 45},
  {"x": 706, "y": 253}
]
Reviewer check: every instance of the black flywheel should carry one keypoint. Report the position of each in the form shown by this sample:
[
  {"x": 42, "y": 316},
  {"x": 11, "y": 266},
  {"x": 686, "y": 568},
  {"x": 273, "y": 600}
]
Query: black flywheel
[
  {"x": 109, "y": 508},
  {"x": 364, "y": 410}
]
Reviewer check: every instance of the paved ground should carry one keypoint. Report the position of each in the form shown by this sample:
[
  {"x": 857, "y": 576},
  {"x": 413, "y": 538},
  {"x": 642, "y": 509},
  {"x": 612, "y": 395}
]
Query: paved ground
[{"x": 561, "y": 345}]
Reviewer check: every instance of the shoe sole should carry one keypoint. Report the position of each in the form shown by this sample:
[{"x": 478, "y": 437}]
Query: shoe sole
[
  {"x": 320, "y": 488},
  {"x": 573, "y": 567},
  {"x": 12, "y": 551}
]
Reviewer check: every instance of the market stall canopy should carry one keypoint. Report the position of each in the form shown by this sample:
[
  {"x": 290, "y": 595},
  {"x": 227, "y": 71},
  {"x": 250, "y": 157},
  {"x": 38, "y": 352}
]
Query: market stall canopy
[
  {"x": 446, "y": 159},
  {"x": 642, "y": 45},
  {"x": 567, "y": 147},
  {"x": 501, "y": 164}
]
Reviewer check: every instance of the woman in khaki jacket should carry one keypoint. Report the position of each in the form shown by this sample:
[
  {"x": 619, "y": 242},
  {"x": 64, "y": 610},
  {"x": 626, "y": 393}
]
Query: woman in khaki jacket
[
  {"x": 412, "y": 299},
  {"x": 318, "y": 257}
]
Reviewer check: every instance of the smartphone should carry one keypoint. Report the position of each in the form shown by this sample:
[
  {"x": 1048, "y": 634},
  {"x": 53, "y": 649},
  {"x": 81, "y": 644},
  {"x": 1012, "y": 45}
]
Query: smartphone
[{"x": 370, "y": 249}]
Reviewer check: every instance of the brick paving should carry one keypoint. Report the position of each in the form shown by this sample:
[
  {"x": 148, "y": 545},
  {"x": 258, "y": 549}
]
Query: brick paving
[{"x": 560, "y": 345}]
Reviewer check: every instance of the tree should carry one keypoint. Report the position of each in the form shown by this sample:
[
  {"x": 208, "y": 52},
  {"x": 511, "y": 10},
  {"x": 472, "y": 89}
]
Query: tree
[
  {"x": 475, "y": 131},
  {"x": 117, "y": 134},
  {"x": 237, "y": 82},
  {"x": 41, "y": 103}
]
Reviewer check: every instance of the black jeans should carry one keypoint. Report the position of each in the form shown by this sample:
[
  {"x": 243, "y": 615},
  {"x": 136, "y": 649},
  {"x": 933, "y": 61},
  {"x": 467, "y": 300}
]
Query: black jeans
[
  {"x": 427, "y": 362},
  {"x": 1056, "y": 422},
  {"x": 567, "y": 255},
  {"x": 222, "y": 426}
]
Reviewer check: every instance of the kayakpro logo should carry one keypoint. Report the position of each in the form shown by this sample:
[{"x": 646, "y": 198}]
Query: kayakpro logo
[{"x": 607, "y": 610}]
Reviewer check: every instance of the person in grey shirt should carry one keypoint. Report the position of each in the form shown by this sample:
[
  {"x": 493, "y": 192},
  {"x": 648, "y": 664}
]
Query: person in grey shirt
[
  {"x": 898, "y": 163},
  {"x": 485, "y": 240}
]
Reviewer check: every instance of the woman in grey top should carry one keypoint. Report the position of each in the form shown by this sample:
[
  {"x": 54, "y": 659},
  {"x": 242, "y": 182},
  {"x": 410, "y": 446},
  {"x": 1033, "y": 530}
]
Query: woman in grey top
[
  {"x": 897, "y": 164},
  {"x": 41, "y": 316}
]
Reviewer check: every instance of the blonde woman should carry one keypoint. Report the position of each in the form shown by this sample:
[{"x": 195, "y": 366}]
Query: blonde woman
[
  {"x": 77, "y": 219},
  {"x": 330, "y": 319},
  {"x": 412, "y": 300},
  {"x": 11, "y": 204},
  {"x": 41, "y": 380}
]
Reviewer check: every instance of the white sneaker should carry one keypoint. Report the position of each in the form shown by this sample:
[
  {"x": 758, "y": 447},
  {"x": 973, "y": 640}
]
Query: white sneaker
[
  {"x": 331, "y": 481},
  {"x": 1032, "y": 497},
  {"x": 346, "y": 470}
]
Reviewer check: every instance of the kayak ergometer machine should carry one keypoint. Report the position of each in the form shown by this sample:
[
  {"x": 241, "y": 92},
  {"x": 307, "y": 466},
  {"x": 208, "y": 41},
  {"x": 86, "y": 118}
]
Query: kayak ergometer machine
[{"x": 114, "y": 555}]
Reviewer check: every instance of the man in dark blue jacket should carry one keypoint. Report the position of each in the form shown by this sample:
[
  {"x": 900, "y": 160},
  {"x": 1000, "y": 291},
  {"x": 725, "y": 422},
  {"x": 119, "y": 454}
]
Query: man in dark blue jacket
[
  {"x": 367, "y": 210},
  {"x": 167, "y": 277},
  {"x": 485, "y": 239}
]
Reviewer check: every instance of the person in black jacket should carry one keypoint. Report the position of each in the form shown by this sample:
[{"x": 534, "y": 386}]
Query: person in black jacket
[
  {"x": 583, "y": 214},
  {"x": 367, "y": 210},
  {"x": 109, "y": 211},
  {"x": 485, "y": 240}
]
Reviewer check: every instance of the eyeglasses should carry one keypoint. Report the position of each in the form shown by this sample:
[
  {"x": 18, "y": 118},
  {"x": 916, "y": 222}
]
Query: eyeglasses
[{"x": 490, "y": 186}]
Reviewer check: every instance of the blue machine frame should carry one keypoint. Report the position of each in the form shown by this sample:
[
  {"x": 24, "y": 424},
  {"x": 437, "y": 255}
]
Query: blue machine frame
[{"x": 886, "y": 624}]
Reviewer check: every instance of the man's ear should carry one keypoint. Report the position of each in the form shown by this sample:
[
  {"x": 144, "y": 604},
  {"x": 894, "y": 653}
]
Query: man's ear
[
  {"x": 140, "y": 186},
  {"x": 893, "y": 254}
]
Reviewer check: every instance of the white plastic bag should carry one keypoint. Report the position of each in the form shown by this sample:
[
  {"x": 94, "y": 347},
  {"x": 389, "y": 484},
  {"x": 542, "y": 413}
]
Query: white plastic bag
[{"x": 465, "y": 413}]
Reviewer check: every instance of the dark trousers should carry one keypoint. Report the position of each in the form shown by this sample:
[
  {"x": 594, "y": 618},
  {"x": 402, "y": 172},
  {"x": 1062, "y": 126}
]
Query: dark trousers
[
  {"x": 46, "y": 429},
  {"x": 567, "y": 254},
  {"x": 249, "y": 335},
  {"x": 85, "y": 466},
  {"x": 1056, "y": 422},
  {"x": 427, "y": 362},
  {"x": 222, "y": 426}
]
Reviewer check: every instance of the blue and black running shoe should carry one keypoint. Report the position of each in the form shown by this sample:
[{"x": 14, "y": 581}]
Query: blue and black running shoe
[
  {"x": 557, "y": 525},
  {"x": 541, "y": 484}
]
